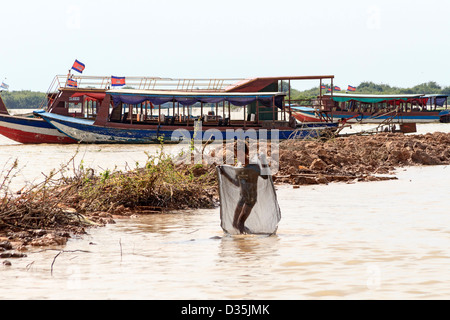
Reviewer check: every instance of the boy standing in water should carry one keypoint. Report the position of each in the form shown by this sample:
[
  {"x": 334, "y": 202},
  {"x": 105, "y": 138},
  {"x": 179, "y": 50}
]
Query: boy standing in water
[{"x": 247, "y": 181}]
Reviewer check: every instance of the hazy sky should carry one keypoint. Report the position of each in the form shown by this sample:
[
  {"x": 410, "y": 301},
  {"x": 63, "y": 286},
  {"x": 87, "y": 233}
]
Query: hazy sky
[{"x": 397, "y": 42}]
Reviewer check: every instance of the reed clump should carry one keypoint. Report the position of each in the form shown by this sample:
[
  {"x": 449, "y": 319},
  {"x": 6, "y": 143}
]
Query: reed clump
[
  {"x": 73, "y": 197},
  {"x": 161, "y": 183}
]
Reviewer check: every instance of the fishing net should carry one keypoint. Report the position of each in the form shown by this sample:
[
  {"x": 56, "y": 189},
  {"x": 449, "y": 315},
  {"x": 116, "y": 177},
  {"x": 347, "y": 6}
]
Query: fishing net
[{"x": 248, "y": 201}]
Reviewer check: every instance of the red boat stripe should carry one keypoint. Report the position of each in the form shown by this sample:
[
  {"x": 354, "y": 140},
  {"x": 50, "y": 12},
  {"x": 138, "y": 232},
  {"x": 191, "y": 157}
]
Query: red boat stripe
[{"x": 24, "y": 136}]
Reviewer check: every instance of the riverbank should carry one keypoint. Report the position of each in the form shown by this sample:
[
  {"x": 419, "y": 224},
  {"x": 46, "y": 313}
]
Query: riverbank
[
  {"x": 359, "y": 157},
  {"x": 51, "y": 212}
]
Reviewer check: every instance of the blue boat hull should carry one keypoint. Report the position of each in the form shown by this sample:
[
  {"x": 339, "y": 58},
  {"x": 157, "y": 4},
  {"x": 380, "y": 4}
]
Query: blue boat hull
[
  {"x": 30, "y": 130},
  {"x": 355, "y": 117},
  {"x": 85, "y": 131}
]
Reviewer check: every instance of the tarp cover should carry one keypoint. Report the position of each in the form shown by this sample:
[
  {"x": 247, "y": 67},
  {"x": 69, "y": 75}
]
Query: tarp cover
[
  {"x": 190, "y": 98},
  {"x": 373, "y": 98},
  {"x": 252, "y": 187}
]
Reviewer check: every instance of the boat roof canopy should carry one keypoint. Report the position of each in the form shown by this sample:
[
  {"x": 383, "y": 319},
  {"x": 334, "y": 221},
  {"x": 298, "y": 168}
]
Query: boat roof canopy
[
  {"x": 257, "y": 84},
  {"x": 133, "y": 96},
  {"x": 372, "y": 98},
  {"x": 436, "y": 96}
]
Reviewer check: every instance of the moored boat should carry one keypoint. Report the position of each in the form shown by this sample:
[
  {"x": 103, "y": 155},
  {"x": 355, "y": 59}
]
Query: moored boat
[
  {"x": 29, "y": 129},
  {"x": 306, "y": 114},
  {"x": 147, "y": 116},
  {"x": 368, "y": 108}
]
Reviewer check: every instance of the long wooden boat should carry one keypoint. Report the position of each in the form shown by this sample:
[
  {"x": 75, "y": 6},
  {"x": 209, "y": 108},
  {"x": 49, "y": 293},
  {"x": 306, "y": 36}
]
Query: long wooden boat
[
  {"x": 306, "y": 114},
  {"x": 30, "y": 129},
  {"x": 406, "y": 108},
  {"x": 80, "y": 101},
  {"x": 147, "y": 116}
]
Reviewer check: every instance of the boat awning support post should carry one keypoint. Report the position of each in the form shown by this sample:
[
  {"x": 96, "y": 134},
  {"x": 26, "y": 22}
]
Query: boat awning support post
[
  {"x": 257, "y": 112},
  {"x": 245, "y": 115},
  {"x": 229, "y": 112},
  {"x": 273, "y": 111},
  {"x": 289, "y": 88},
  {"x": 103, "y": 112},
  {"x": 159, "y": 114},
  {"x": 217, "y": 111},
  {"x": 130, "y": 112}
]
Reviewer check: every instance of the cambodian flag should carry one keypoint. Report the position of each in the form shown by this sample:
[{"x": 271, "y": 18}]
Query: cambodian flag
[
  {"x": 78, "y": 66},
  {"x": 350, "y": 88},
  {"x": 72, "y": 83},
  {"x": 117, "y": 81},
  {"x": 4, "y": 86},
  {"x": 323, "y": 87},
  {"x": 336, "y": 88}
]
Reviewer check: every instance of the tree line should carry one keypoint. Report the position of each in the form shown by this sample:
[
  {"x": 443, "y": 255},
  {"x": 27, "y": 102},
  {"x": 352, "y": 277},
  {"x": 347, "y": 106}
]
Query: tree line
[
  {"x": 368, "y": 87},
  {"x": 26, "y": 99},
  {"x": 23, "y": 99}
]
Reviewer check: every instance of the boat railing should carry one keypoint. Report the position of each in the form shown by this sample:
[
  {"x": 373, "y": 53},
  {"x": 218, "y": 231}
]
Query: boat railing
[
  {"x": 140, "y": 83},
  {"x": 146, "y": 83}
]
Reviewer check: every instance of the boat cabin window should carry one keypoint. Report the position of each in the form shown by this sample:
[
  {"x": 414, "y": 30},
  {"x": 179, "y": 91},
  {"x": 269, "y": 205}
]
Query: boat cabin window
[{"x": 77, "y": 106}]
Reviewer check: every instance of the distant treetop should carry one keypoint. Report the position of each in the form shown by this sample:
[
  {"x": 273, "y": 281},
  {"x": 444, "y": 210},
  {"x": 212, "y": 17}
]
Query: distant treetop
[{"x": 368, "y": 87}]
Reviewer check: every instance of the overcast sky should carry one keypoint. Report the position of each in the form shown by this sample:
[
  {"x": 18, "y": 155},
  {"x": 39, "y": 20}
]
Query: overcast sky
[{"x": 396, "y": 42}]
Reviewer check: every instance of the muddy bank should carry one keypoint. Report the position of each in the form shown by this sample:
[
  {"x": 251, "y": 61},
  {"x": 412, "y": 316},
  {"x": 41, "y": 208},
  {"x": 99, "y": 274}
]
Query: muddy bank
[
  {"x": 69, "y": 203},
  {"x": 359, "y": 158},
  {"x": 51, "y": 213}
]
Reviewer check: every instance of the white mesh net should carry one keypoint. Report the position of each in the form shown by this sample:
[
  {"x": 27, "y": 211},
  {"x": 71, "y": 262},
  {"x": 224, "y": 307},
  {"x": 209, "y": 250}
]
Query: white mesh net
[{"x": 248, "y": 201}]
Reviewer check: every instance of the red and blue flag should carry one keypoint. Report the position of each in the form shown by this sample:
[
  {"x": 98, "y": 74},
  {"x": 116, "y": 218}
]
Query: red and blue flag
[
  {"x": 72, "y": 83},
  {"x": 117, "y": 81},
  {"x": 351, "y": 88},
  {"x": 78, "y": 66},
  {"x": 336, "y": 88},
  {"x": 323, "y": 87}
]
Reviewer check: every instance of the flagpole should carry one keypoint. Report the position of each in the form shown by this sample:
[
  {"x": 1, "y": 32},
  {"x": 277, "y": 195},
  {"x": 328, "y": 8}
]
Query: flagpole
[{"x": 68, "y": 77}]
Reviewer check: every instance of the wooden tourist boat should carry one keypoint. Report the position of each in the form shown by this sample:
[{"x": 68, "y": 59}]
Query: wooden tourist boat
[
  {"x": 406, "y": 108},
  {"x": 29, "y": 129},
  {"x": 69, "y": 101},
  {"x": 147, "y": 116},
  {"x": 306, "y": 114},
  {"x": 83, "y": 102}
]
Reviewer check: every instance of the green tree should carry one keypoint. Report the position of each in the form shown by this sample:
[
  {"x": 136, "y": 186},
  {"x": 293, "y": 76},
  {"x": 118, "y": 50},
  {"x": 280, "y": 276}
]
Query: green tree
[
  {"x": 368, "y": 87},
  {"x": 23, "y": 99}
]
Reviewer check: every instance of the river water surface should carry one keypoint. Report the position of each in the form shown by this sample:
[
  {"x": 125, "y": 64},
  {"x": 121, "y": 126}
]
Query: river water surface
[{"x": 365, "y": 240}]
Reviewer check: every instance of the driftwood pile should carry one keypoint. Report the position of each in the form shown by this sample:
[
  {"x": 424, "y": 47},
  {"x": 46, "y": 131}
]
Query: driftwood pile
[
  {"x": 359, "y": 158},
  {"x": 68, "y": 203}
]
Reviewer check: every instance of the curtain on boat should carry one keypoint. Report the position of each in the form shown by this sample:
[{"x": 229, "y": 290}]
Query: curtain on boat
[
  {"x": 190, "y": 100},
  {"x": 440, "y": 101},
  {"x": 248, "y": 191}
]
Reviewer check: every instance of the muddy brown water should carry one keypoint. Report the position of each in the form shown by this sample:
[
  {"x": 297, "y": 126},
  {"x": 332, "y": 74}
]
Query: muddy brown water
[{"x": 364, "y": 240}]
